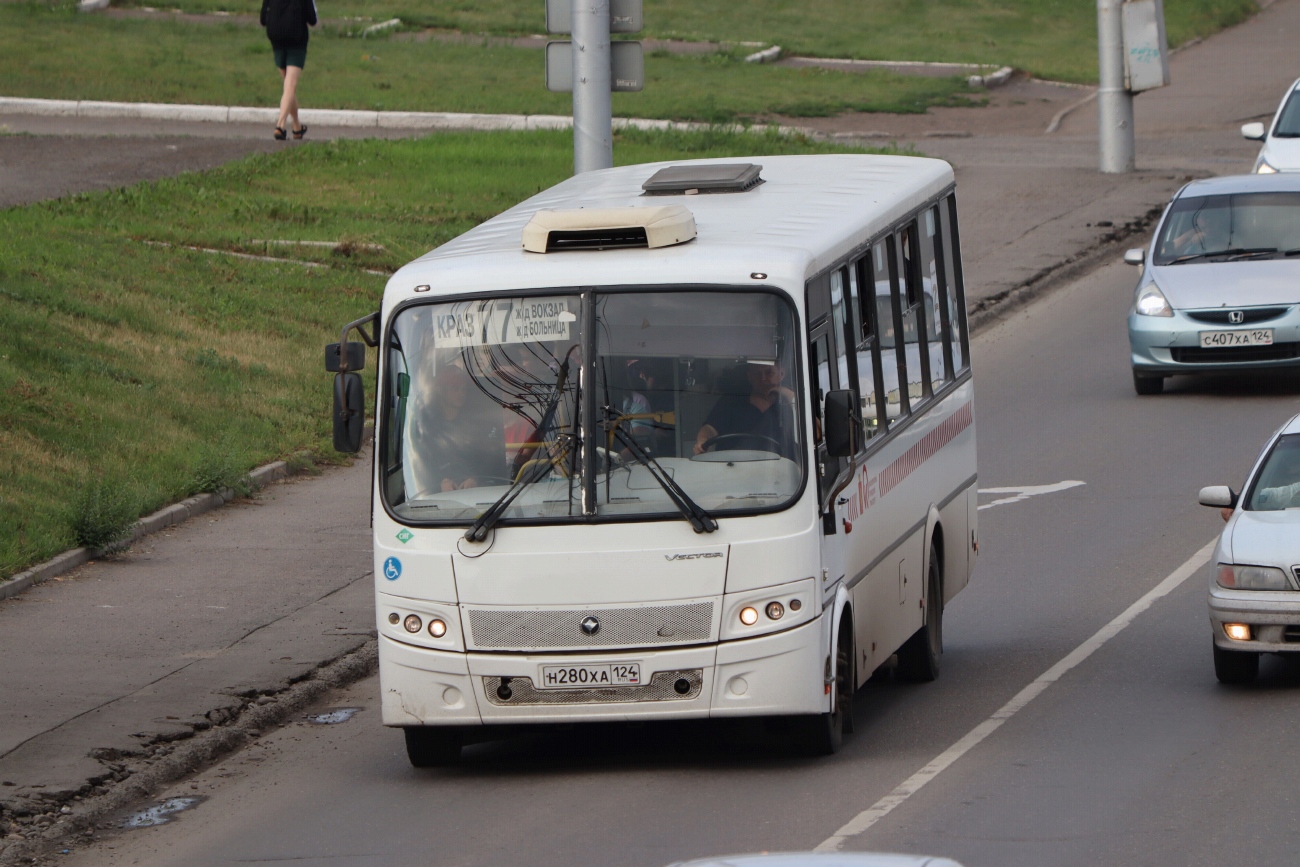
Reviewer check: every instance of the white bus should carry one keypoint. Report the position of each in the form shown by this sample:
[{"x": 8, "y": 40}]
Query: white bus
[{"x": 671, "y": 441}]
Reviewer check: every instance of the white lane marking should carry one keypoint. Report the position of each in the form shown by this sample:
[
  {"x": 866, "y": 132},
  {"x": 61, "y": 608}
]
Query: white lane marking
[
  {"x": 873, "y": 814},
  {"x": 1026, "y": 492}
]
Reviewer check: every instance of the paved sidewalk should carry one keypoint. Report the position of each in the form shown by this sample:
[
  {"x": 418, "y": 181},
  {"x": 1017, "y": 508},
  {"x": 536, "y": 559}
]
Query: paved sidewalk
[{"x": 108, "y": 669}]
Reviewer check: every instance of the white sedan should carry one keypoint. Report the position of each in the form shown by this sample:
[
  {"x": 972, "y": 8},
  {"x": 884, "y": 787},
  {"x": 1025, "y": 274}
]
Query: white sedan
[
  {"x": 1281, "y": 138},
  {"x": 1255, "y": 589}
]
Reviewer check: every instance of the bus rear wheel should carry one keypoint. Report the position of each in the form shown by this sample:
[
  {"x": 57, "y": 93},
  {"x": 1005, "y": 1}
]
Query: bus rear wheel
[
  {"x": 918, "y": 659},
  {"x": 432, "y": 746}
]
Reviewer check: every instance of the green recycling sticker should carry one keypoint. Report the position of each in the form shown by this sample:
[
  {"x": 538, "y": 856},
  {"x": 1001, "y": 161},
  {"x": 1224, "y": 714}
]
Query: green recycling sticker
[{"x": 404, "y": 535}]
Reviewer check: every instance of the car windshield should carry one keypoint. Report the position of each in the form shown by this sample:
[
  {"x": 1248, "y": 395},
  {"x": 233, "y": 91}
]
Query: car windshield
[
  {"x": 699, "y": 387},
  {"x": 1200, "y": 228},
  {"x": 1288, "y": 122},
  {"x": 1278, "y": 484}
]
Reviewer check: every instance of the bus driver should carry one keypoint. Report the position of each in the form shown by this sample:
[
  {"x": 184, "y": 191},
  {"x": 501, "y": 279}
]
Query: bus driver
[{"x": 761, "y": 420}]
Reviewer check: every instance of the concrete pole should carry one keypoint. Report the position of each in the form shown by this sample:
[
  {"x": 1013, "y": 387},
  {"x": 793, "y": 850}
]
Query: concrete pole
[
  {"x": 1114, "y": 102},
  {"x": 593, "y": 138}
]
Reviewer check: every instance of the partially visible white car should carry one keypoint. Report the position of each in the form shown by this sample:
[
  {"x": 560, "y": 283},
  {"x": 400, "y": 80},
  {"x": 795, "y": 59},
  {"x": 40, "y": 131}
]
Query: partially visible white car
[
  {"x": 821, "y": 859},
  {"x": 1255, "y": 589},
  {"x": 1281, "y": 138}
]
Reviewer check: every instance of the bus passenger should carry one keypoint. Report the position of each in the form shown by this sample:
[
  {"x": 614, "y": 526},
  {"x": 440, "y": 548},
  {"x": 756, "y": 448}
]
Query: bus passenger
[
  {"x": 762, "y": 420},
  {"x": 463, "y": 448}
]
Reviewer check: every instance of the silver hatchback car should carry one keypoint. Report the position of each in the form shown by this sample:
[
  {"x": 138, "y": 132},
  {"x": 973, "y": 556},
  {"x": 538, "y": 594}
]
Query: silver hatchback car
[
  {"x": 1220, "y": 286},
  {"x": 1255, "y": 590}
]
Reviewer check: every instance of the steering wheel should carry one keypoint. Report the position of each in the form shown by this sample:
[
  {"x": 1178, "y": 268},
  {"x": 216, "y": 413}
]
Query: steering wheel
[{"x": 712, "y": 441}]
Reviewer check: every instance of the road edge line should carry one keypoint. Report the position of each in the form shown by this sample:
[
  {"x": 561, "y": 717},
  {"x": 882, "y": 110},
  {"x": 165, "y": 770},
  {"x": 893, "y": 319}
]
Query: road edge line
[{"x": 877, "y": 811}]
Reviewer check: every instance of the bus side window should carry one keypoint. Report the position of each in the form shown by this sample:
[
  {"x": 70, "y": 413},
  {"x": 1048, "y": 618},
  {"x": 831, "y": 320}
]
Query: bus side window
[
  {"x": 952, "y": 276},
  {"x": 907, "y": 271},
  {"x": 840, "y": 327},
  {"x": 863, "y": 329},
  {"x": 888, "y": 320},
  {"x": 932, "y": 303}
]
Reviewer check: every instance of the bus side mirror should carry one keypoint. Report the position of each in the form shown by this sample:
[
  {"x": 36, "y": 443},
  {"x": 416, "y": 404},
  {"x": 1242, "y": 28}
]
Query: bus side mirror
[
  {"x": 843, "y": 430},
  {"x": 349, "y": 412},
  {"x": 1218, "y": 496},
  {"x": 356, "y": 356}
]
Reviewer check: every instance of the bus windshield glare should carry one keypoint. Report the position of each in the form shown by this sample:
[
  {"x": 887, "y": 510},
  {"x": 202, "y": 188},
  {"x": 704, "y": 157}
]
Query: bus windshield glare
[{"x": 700, "y": 386}]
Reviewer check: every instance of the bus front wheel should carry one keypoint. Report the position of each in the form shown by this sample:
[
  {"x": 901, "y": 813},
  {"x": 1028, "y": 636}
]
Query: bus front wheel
[
  {"x": 823, "y": 734},
  {"x": 432, "y": 746}
]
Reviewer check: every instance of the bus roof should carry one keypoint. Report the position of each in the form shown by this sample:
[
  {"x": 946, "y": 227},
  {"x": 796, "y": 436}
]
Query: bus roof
[{"x": 809, "y": 212}]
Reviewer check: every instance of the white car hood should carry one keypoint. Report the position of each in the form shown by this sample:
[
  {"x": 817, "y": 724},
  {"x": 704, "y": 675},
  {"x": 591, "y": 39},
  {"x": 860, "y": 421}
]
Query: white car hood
[
  {"x": 1267, "y": 539},
  {"x": 1282, "y": 154},
  {"x": 1244, "y": 283}
]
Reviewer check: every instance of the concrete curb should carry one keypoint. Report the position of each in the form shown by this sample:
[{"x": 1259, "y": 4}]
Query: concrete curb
[
  {"x": 160, "y": 520},
  {"x": 351, "y": 118}
]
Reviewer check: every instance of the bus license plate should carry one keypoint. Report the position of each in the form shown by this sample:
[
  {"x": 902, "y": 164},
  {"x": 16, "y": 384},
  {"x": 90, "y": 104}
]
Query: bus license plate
[
  {"x": 590, "y": 676},
  {"x": 1223, "y": 339}
]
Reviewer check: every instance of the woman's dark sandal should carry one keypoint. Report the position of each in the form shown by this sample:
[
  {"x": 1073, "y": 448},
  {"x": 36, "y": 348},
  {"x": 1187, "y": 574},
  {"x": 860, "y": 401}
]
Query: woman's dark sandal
[
  {"x": 300, "y": 131},
  {"x": 279, "y": 134}
]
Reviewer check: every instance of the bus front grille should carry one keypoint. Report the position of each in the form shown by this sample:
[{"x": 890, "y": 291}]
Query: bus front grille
[
  {"x": 545, "y": 629},
  {"x": 663, "y": 686}
]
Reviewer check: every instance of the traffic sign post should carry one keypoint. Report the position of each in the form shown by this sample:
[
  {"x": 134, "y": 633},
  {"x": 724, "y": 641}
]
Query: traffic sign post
[{"x": 596, "y": 68}]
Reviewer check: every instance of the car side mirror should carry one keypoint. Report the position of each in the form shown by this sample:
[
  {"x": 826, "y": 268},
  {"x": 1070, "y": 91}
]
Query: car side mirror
[
  {"x": 349, "y": 412},
  {"x": 1218, "y": 496},
  {"x": 843, "y": 428},
  {"x": 1253, "y": 131},
  {"x": 1136, "y": 256}
]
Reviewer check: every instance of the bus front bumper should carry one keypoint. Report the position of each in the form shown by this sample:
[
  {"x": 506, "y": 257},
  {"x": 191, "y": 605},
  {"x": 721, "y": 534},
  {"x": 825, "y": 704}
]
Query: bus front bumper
[{"x": 770, "y": 675}]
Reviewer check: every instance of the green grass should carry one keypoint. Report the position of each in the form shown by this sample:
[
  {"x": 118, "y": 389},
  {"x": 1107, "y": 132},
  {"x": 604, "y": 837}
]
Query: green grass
[
  {"x": 133, "y": 375},
  {"x": 59, "y": 54},
  {"x": 1051, "y": 38}
]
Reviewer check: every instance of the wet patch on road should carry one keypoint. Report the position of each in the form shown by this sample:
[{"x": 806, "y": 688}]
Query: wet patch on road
[{"x": 333, "y": 717}]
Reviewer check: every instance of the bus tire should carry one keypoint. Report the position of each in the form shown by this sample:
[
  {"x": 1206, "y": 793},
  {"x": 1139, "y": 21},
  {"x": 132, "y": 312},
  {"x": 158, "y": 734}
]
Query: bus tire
[
  {"x": 919, "y": 657},
  {"x": 432, "y": 746},
  {"x": 823, "y": 734},
  {"x": 1235, "y": 666}
]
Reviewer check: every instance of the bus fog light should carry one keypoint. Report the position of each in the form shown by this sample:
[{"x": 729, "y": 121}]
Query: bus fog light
[
  {"x": 682, "y": 686},
  {"x": 1237, "y": 631},
  {"x": 795, "y": 605},
  {"x": 412, "y": 623},
  {"x": 748, "y": 615},
  {"x": 774, "y": 611},
  {"x": 437, "y": 628},
  {"x": 394, "y": 618}
]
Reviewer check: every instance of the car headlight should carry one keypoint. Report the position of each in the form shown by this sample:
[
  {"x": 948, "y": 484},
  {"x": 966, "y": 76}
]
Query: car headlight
[
  {"x": 1264, "y": 168},
  {"x": 1151, "y": 302},
  {"x": 1252, "y": 577}
]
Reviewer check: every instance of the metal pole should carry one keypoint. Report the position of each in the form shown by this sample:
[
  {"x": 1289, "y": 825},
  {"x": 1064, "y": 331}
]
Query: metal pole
[
  {"x": 593, "y": 138},
  {"x": 1114, "y": 102}
]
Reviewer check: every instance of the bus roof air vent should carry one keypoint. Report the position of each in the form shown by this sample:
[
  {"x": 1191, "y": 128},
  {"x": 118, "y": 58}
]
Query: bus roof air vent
[
  {"x": 552, "y": 231},
  {"x": 707, "y": 178}
]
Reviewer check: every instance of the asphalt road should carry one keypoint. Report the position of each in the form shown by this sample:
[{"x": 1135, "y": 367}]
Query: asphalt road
[{"x": 1135, "y": 757}]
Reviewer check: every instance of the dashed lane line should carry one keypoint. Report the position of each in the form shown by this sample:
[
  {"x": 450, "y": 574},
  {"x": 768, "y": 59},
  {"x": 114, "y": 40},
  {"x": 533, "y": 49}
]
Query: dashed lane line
[{"x": 863, "y": 821}]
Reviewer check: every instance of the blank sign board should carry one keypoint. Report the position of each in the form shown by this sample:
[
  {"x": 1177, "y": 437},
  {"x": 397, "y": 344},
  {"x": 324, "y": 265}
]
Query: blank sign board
[
  {"x": 627, "y": 67},
  {"x": 624, "y": 16},
  {"x": 1146, "y": 56}
]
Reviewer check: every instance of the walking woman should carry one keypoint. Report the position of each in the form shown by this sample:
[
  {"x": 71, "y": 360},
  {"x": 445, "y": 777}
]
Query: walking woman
[{"x": 286, "y": 24}]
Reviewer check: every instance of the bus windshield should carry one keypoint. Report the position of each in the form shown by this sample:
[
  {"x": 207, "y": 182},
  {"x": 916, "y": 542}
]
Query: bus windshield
[{"x": 698, "y": 386}]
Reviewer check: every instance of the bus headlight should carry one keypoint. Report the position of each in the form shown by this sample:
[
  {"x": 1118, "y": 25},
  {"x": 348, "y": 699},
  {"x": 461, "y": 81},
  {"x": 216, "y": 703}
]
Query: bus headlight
[
  {"x": 749, "y": 615},
  {"x": 437, "y": 628},
  {"x": 774, "y": 611},
  {"x": 412, "y": 623}
]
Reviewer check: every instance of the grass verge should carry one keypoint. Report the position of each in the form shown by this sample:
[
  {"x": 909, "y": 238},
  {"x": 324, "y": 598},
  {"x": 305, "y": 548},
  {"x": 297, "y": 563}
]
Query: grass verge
[
  {"x": 57, "y": 53},
  {"x": 133, "y": 375},
  {"x": 1050, "y": 38}
]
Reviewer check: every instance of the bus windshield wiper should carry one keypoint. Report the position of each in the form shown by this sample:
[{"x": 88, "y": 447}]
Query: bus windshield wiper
[
  {"x": 1229, "y": 251},
  {"x": 700, "y": 520},
  {"x": 479, "y": 529}
]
